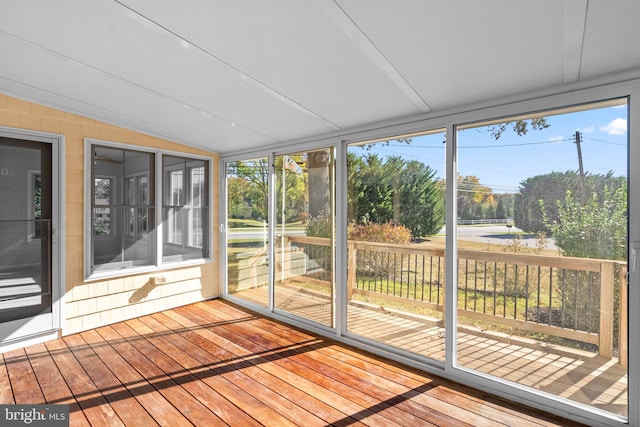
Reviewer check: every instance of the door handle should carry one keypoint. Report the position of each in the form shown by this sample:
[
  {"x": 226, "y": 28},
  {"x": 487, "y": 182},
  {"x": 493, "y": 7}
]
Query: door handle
[{"x": 635, "y": 246}]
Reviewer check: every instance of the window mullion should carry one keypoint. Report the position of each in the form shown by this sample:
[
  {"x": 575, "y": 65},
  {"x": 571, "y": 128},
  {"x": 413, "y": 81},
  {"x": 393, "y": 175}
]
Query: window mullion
[{"x": 159, "y": 225}]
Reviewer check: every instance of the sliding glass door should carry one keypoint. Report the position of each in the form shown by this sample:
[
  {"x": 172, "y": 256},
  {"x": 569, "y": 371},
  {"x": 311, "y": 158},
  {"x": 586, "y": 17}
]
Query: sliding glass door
[
  {"x": 396, "y": 242},
  {"x": 305, "y": 235},
  {"x": 247, "y": 226},
  {"x": 295, "y": 275},
  {"x": 495, "y": 251},
  {"x": 542, "y": 252}
]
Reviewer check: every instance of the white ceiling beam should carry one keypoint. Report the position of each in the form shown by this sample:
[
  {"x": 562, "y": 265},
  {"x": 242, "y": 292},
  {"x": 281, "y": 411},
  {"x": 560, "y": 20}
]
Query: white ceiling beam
[
  {"x": 575, "y": 16},
  {"x": 346, "y": 24}
]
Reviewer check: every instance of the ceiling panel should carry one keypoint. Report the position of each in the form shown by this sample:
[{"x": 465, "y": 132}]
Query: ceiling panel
[
  {"x": 293, "y": 47},
  {"x": 459, "y": 52},
  {"x": 109, "y": 98},
  {"x": 123, "y": 44},
  {"x": 612, "y": 34},
  {"x": 227, "y": 75}
]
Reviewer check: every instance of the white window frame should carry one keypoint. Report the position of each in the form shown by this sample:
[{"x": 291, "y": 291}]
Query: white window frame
[
  {"x": 186, "y": 202},
  {"x": 157, "y": 262},
  {"x": 192, "y": 207},
  {"x": 170, "y": 232},
  {"x": 137, "y": 231}
]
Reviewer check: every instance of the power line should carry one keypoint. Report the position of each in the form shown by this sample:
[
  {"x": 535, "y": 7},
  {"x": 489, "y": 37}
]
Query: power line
[
  {"x": 604, "y": 142},
  {"x": 412, "y": 145},
  {"x": 516, "y": 145},
  {"x": 441, "y": 161}
]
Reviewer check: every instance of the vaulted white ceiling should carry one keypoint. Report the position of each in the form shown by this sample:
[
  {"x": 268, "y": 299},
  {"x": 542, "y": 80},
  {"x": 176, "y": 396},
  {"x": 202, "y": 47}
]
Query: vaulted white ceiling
[{"x": 229, "y": 75}]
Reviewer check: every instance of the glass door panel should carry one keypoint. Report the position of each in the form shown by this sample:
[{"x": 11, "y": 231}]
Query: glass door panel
[
  {"x": 305, "y": 242},
  {"x": 396, "y": 240},
  {"x": 542, "y": 253},
  {"x": 248, "y": 230},
  {"x": 25, "y": 231}
]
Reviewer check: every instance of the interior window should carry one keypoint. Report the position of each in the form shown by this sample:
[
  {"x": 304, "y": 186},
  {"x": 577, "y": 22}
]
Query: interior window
[
  {"x": 120, "y": 218},
  {"x": 185, "y": 208},
  {"x": 123, "y": 209}
]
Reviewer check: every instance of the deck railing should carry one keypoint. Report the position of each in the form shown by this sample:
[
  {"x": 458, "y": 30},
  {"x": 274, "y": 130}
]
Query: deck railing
[{"x": 577, "y": 299}]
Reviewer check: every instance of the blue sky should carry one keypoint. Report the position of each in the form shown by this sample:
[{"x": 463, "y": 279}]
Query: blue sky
[{"x": 502, "y": 164}]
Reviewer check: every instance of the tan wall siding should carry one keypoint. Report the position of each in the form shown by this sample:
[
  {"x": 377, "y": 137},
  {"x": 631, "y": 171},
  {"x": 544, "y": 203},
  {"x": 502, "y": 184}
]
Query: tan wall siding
[{"x": 89, "y": 304}]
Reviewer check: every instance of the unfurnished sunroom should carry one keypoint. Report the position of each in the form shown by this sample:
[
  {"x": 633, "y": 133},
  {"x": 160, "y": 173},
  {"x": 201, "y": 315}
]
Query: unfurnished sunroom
[{"x": 452, "y": 186}]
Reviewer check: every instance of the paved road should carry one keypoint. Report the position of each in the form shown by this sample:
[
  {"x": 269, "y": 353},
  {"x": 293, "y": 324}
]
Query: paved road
[
  {"x": 495, "y": 234},
  {"x": 257, "y": 235},
  {"x": 498, "y": 235}
]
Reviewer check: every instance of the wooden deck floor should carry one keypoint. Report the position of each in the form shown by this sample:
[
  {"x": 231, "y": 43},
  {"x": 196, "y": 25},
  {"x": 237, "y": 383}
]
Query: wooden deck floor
[
  {"x": 214, "y": 363},
  {"x": 581, "y": 376}
]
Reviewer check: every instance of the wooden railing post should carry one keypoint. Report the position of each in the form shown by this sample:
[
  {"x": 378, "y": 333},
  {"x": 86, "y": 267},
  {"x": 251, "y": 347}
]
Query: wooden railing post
[
  {"x": 352, "y": 255},
  {"x": 607, "y": 282},
  {"x": 284, "y": 247},
  {"x": 623, "y": 356},
  {"x": 610, "y": 271}
]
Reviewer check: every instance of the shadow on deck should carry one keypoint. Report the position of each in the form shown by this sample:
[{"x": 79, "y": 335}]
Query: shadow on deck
[
  {"x": 216, "y": 364},
  {"x": 570, "y": 373}
]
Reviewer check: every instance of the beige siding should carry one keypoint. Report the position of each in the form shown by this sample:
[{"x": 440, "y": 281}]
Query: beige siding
[{"x": 89, "y": 304}]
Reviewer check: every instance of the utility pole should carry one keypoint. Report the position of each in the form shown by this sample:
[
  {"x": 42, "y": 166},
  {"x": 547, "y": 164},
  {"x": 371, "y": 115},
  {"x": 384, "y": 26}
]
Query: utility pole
[{"x": 583, "y": 183}]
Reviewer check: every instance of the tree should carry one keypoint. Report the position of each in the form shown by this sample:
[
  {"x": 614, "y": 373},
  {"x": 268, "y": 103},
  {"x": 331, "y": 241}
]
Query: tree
[
  {"x": 319, "y": 163},
  {"x": 471, "y": 194},
  {"x": 465, "y": 212},
  {"x": 238, "y": 204},
  {"x": 520, "y": 127},
  {"x": 255, "y": 193},
  {"x": 422, "y": 200},
  {"x": 596, "y": 229},
  {"x": 255, "y": 173},
  {"x": 501, "y": 213},
  {"x": 550, "y": 188},
  {"x": 294, "y": 183},
  {"x": 394, "y": 190},
  {"x": 393, "y": 168},
  {"x": 490, "y": 212},
  {"x": 355, "y": 187},
  {"x": 371, "y": 197}
]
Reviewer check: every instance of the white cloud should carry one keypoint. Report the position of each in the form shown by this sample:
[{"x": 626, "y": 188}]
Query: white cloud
[
  {"x": 557, "y": 138},
  {"x": 587, "y": 130},
  {"x": 615, "y": 127}
]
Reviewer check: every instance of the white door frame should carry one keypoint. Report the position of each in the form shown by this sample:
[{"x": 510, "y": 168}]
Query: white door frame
[{"x": 23, "y": 332}]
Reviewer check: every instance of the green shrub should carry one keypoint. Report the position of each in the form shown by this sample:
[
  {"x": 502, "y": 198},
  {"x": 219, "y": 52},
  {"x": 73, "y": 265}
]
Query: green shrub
[
  {"x": 595, "y": 228},
  {"x": 371, "y": 263},
  {"x": 319, "y": 226},
  {"x": 382, "y": 233}
]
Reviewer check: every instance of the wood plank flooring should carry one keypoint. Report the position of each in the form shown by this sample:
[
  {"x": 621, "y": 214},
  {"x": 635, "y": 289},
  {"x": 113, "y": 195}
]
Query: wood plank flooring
[
  {"x": 214, "y": 363},
  {"x": 581, "y": 376}
]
